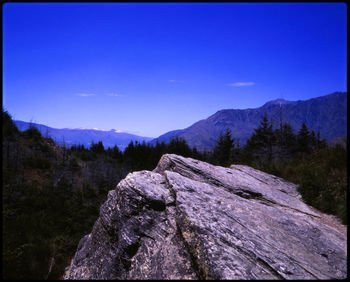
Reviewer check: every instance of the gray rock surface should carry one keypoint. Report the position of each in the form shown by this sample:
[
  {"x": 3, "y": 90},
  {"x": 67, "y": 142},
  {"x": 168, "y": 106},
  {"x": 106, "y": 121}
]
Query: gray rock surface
[{"x": 188, "y": 219}]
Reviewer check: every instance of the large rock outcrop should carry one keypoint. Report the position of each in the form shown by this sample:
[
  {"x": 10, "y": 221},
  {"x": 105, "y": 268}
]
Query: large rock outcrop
[{"x": 191, "y": 220}]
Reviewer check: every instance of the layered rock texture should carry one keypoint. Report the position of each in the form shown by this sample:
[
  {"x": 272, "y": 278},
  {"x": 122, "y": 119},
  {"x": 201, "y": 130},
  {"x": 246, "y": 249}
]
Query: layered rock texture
[{"x": 188, "y": 219}]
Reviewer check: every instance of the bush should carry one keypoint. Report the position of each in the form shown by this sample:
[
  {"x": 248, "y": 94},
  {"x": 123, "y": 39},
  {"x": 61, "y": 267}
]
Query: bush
[
  {"x": 322, "y": 178},
  {"x": 323, "y": 181},
  {"x": 37, "y": 161},
  {"x": 32, "y": 133},
  {"x": 9, "y": 128}
]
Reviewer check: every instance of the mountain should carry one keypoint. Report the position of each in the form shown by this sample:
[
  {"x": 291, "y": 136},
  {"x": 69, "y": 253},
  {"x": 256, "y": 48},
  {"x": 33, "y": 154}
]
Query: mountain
[
  {"x": 188, "y": 219},
  {"x": 327, "y": 114},
  {"x": 277, "y": 102},
  {"x": 84, "y": 136}
]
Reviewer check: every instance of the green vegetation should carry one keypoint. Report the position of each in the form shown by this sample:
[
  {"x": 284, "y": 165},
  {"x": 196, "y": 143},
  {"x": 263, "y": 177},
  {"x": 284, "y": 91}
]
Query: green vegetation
[
  {"x": 223, "y": 153},
  {"x": 51, "y": 199},
  {"x": 52, "y": 194},
  {"x": 322, "y": 178},
  {"x": 304, "y": 159}
]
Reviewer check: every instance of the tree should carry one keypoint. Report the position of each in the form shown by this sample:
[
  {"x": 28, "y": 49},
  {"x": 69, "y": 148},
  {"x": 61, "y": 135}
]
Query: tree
[
  {"x": 286, "y": 141},
  {"x": 115, "y": 153},
  {"x": 97, "y": 148},
  {"x": 32, "y": 133},
  {"x": 313, "y": 141},
  {"x": 320, "y": 143},
  {"x": 223, "y": 151},
  {"x": 288, "y": 137},
  {"x": 303, "y": 140},
  {"x": 261, "y": 142},
  {"x": 179, "y": 146}
]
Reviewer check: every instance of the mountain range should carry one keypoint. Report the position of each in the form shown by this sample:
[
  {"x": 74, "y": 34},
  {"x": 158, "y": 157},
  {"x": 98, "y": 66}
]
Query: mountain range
[
  {"x": 84, "y": 136},
  {"x": 326, "y": 114}
]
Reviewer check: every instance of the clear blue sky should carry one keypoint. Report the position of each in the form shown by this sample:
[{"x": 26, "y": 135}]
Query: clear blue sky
[{"x": 151, "y": 68}]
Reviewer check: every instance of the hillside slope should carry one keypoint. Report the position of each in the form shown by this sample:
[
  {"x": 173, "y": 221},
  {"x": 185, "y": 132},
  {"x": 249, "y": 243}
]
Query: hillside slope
[{"x": 327, "y": 114}]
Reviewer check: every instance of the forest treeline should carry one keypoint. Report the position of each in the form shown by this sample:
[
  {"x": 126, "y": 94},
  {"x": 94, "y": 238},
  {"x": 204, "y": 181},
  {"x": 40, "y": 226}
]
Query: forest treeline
[{"x": 52, "y": 194}]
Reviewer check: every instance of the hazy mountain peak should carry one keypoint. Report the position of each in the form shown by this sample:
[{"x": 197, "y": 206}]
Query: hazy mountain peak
[
  {"x": 84, "y": 136},
  {"x": 278, "y": 101}
]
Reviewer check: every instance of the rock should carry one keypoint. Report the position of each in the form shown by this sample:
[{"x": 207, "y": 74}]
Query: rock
[{"x": 188, "y": 219}]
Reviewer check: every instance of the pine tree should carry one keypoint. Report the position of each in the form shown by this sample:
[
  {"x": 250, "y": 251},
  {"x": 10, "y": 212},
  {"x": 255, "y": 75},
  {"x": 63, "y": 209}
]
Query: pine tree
[
  {"x": 286, "y": 141},
  {"x": 313, "y": 141},
  {"x": 97, "y": 148},
  {"x": 116, "y": 153},
  {"x": 262, "y": 140},
  {"x": 179, "y": 146},
  {"x": 223, "y": 151},
  {"x": 320, "y": 143},
  {"x": 303, "y": 140}
]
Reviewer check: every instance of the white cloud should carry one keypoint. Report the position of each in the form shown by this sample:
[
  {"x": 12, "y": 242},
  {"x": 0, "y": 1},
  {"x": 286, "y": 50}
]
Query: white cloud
[
  {"x": 85, "y": 94},
  {"x": 239, "y": 84},
  {"x": 114, "y": 95},
  {"x": 92, "y": 94},
  {"x": 175, "y": 81}
]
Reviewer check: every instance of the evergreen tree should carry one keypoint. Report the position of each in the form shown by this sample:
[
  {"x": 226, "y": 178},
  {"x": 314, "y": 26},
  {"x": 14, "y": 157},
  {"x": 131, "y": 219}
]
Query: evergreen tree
[
  {"x": 179, "y": 146},
  {"x": 115, "y": 153},
  {"x": 303, "y": 140},
  {"x": 261, "y": 142},
  {"x": 237, "y": 151},
  {"x": 97, "y": 148},
  {"x": 286, "y": 141},
  {"x": 288, "y": 137},
  {"x": 223, "y": 151},
  {"x": 129, "y": 153},
  {"x": 313, "y": 141},
  {"x": 320, "y": 143}
]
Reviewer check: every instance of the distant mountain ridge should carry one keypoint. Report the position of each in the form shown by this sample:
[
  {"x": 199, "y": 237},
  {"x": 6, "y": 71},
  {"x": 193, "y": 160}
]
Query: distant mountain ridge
[
  {"x": 84, "y": 137},
  {"x": 277, "y": 102},
  {"x": 327, "y": 114}
]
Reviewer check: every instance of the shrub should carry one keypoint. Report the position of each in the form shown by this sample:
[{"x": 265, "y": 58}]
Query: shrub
[
  {"x": 32, "y": 133},
  {"x": 37, "y": 161},
  {"x": 9, "y": 128}
]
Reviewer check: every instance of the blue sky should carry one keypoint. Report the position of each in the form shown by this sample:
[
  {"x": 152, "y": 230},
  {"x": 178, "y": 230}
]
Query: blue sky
[{"x": 151, "y": 68}]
